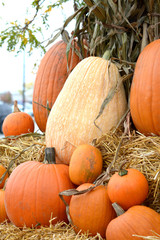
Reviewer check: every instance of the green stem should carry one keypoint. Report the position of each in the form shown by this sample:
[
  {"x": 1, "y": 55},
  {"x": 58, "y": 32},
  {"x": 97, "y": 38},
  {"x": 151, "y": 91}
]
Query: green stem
[{"x": 122, "y": 172}]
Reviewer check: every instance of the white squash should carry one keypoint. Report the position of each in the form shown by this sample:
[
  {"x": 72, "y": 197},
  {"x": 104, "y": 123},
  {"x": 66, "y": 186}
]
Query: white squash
[{"x": 71, "y": 120}]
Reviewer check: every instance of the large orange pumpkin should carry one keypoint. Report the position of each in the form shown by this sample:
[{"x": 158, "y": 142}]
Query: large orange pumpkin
[
  {"x": 71, "y": 121},
  {"x": 137, "y": 220},
  {"x": 128, "y": 187},
  {"x": 92, "y": 211},
  {"x": 51, "y": 76},
  {"x": 31, "y": 195},
  {"x": 145, "y": 90}
]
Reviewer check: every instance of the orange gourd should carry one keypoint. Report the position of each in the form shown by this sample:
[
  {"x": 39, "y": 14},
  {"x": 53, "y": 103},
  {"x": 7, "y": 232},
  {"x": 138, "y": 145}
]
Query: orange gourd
[
  {"x": 137, "y": 220},
  {"x": 2, "y": 171},
  {"x": 32, "y": 192},
  {"x": 73, "y": 118},
  {"x": 128, "y": 187},
  {"x": 51, "y": 76},
  {"x": 3, "y": 214},
  {"x": 17, "y": 123},
  {"x": 91, "y": 211},
  {"x": 145, "y": 91},
  {"x": 85, "y": 164}
]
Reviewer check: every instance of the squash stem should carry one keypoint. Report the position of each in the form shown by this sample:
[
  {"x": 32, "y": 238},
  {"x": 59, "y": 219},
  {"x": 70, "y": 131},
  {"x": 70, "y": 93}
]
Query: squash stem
[
  {"x": 122, "y": 172},
  {"x": 50, "y": 155},
  {"x": 119, "y": 211},
  {"x": 16, "y": 109}
]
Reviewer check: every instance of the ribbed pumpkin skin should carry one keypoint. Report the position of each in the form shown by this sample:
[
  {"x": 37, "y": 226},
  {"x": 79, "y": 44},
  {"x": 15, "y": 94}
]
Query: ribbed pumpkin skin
[
  {"x": 3, "y": 214},
  {"x": 32, "y": 193},
  {"x": 71, "y": 120},
  {"x": 85, "y": 165},
  {"x": 128, "y": 190},
  {"x": 138, "y": 220},
  {"x": 145, "y": 90},
  {"x": 17, "y": 123},
  {"x": 2, "y": 171},
  {"x": 51, "y": 76},
  {"x": 92, "y": 211}
]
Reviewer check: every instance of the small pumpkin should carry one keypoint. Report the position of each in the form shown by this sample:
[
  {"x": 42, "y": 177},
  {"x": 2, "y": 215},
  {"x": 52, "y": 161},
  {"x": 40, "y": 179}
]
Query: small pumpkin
[
  {"x": 145, "y": 88},
  {"x": 51, "y": 76},
  {"x": 74, "y": 118},
  {"x": 17, "y": 123},
  {"x": 128, "y": 187},
  {"x": 137, "y": 220},
  {"x": 91, "y": 211},
  {"x": 31, "y": 195},
  {"x": 3, "y": 214},
  {"x": 2, "y": 171},
  {"x": 85, "y": 164}
]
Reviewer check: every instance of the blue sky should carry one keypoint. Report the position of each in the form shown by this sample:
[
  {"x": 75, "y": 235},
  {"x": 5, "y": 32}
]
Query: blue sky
[{"x": 11, "y": 70}]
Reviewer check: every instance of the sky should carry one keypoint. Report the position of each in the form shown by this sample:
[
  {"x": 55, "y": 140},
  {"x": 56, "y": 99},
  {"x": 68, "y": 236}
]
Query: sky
[{"x": 13, "y": 69}]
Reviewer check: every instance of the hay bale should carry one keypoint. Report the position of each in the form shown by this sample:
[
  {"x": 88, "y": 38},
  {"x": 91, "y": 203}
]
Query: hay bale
[{"x": 137, "y": 150}]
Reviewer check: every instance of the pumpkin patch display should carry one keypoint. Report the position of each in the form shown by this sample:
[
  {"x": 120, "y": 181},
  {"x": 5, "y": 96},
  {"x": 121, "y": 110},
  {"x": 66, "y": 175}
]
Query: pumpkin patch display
[
  {"x": 2, "y": 171},
  {"x": 145, "y": 91},
  {"x": 128, "y": 187},
  {"x": 31, "y": 195},
  {"x": 17, "y": 123},
  {"x": 91, "y": 211},
  {"x": 85, "y": 164},
  {"x": 3, "y": 214},
  {"x": 52, "y": 73},
  {"x": 137, "y": 220},
  {"x": 74, "y": 118}
]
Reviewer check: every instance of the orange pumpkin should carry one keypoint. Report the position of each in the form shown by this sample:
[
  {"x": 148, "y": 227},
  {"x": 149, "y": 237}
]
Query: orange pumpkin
[
  {"x": 128, "y": 187},
  {"x": 137, "y": 220},
  {"x": 145, "y": 91},
  {"x": 2, "y": 171},
  {"x": 51, "y": 76},
  {"x": 92, "y": 211},
  {"x": 3, "y": 214},
  {"x": 85, "y": 164},
  {"x": 31, "y": 195},
  {"x": 17, "y": 123}
]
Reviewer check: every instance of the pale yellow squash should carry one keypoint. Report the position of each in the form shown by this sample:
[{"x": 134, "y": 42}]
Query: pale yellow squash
[{"x": 71, "y": 120}]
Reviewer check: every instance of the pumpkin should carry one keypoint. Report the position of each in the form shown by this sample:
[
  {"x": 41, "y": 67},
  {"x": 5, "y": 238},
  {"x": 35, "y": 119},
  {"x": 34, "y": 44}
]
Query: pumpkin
[
  {"x": 32, "y": 190},
  {"x": 145, "y": 88},
  {"x": 137, "y": 220},
  {"x": 85, "y": 164},
  {"x": 17, "y": 123},
  {"x": 3, "y": 214},
  {"x": 2, "y": 171},
  {"x": 128, "y": 187},
  {"x": 71, "y": 121},
  {"x": 91, "y": 211},
  {"x": 51, "y": 76}
]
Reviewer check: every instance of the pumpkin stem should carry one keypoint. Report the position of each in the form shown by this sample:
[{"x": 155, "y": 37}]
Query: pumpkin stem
[
  {"x": 16, "y": 109},
  {"x": 107, "y": 55},
  {"x": 122, "y": 172},
  {"x": 50, "y": 155},
  {"x": 119, "y": 211}
]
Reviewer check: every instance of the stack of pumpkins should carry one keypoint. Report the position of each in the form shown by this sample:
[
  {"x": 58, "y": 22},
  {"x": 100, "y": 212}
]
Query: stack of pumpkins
[
  {"x": 91, "y": 102},
  {"x": 113, "y": 210}
]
